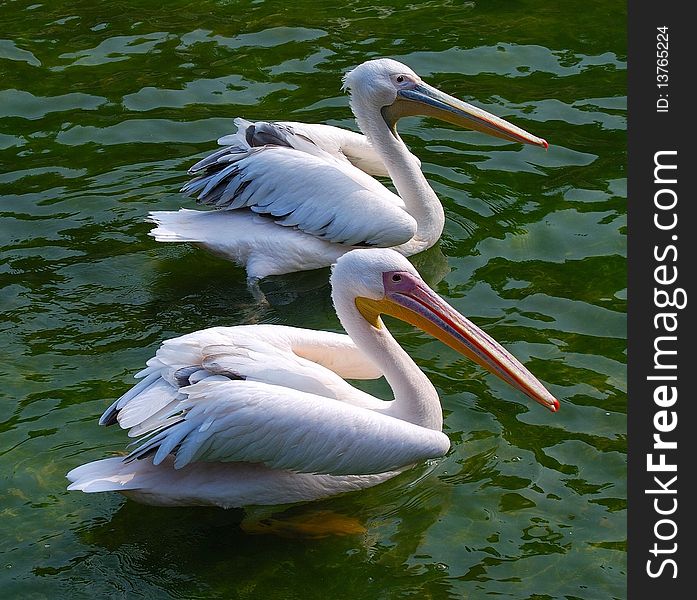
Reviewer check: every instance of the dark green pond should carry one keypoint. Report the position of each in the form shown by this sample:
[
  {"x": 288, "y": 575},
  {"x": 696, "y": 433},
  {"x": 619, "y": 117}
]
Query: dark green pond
[{"x": 104, "y": 105}]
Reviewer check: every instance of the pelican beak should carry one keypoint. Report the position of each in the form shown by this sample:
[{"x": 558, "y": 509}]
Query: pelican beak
[
  {"x": 425, "y": 100},
  {"x": 408, "y": 298}
]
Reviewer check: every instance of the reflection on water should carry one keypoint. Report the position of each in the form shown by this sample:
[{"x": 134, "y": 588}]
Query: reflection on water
[{"x": 103, "y": 107}]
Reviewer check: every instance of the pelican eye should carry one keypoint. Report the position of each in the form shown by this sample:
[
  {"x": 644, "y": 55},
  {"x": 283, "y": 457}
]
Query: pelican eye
[
  {"x": 396, "y": 278},
  {"x": 402, "y": 80}
]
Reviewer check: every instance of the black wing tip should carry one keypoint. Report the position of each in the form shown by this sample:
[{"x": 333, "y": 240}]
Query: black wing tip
[{"x": 110, "y": 418}]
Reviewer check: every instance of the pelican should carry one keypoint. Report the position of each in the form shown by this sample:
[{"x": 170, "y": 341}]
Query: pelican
[
  {"x": 261, "y": 414},
  {"x": 295, "y": 197}
]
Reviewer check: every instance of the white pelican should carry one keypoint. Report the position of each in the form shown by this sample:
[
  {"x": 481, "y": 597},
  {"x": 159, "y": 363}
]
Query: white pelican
[
  {"x": 295, "y": 197},
  {"x": 261, "y": 414}
]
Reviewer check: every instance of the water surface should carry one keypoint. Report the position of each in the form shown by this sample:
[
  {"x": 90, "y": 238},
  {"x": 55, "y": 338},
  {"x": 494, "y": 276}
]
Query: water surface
[{"x": 104, "y": 105}]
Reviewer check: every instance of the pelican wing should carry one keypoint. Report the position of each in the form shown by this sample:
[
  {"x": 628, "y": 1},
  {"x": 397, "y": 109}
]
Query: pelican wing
[
  {"x": 342, "y": 144},
  {"x": 315, "y": 138},
  {"x": 302, "y": 359},
  {"x": 283, "y": 175},
  {"x": 334, "y": 351},
  {"x": 244, "y": 421}
]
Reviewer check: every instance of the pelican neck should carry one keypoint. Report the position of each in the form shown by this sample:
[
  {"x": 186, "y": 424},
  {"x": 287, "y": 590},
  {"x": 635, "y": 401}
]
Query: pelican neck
[
  {"x": 419, "y": 198},
  {"x": 415, "y": 398}
]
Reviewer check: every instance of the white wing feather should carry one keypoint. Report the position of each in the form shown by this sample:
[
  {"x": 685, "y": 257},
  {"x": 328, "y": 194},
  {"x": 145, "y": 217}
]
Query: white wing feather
[
  {"x": 300, "y": 185},
  {"x": 343, "y": 144},
  {"x": 288, "y": 429},
  {"x": 303, "y": 359}
]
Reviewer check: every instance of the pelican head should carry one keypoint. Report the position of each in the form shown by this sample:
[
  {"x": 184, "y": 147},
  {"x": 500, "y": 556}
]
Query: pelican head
[
  {"x": 399, "y": 92},
  {"x": 382, "y": 281}
]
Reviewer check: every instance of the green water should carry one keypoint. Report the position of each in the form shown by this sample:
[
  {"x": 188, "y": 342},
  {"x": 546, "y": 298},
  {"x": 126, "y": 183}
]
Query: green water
[{"x": 103, "y": 106}]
